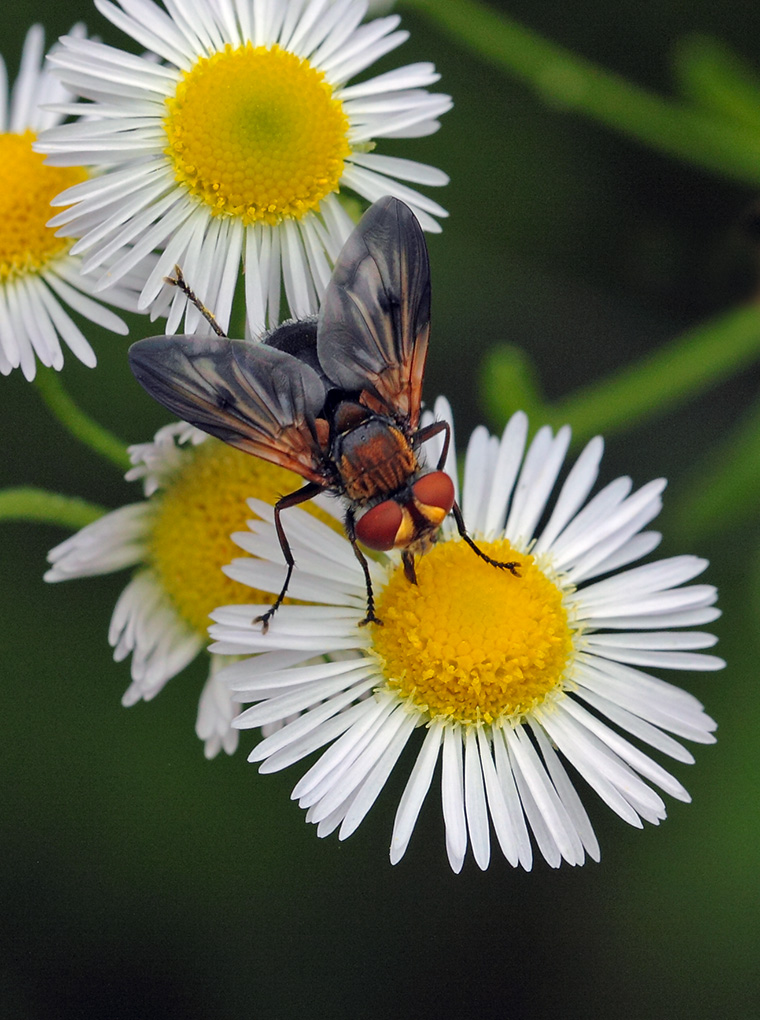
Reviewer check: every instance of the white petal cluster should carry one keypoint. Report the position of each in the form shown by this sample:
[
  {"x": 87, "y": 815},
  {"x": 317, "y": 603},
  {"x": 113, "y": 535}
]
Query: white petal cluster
[{"x": 134, "y": 205}]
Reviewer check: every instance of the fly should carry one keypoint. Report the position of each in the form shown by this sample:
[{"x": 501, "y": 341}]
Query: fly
[{"x": 334, "y": 398}]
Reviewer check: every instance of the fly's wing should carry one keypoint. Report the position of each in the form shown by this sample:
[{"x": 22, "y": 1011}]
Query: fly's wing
[
  {"x": 254, "y": 397},
  {"x": 374, "y": 323}
]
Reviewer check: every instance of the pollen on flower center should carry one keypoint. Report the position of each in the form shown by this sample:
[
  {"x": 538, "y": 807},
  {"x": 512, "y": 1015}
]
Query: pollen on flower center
[
  {"x": 196, "y": 514},
  {"x": 255, "y": 132},
  {"x": 472, "y": 643},
  {"x": 27, "y": 187}
]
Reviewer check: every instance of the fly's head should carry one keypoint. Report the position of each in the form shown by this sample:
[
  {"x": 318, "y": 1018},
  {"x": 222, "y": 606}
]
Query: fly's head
[{"x": 409, "y": 521}]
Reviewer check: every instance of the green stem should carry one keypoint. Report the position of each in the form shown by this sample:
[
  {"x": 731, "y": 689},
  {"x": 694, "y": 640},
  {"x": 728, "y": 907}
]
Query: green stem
[
  {"x": 564, "y": 79},
  {"x": 680, "y": 370},
  {"x": 714, "y": 77},
  {"x": 30, "y": 504},
  {"x": 79, "y": 424}
]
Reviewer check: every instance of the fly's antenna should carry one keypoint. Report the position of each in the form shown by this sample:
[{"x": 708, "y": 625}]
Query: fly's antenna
[{"x": 179, "y": 281}]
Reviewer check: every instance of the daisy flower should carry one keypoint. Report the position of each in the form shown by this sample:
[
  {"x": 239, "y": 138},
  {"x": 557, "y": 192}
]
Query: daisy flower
[
  {"x": 235, "y": 146},
  {"x": 508, "y": 679},
  {"x": 39, "y": 274},
  {"x": 178, "y": 540}
]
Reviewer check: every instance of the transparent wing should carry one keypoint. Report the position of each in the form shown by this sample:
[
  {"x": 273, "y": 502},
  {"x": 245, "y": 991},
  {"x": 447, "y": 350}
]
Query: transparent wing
[
  {"x": 374, "y": 323},
  {"x": 252, "y": 396}
]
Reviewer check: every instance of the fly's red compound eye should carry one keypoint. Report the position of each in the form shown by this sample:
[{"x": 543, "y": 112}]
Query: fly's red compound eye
[
  {"x": 435, "y": 490},
  {"x": 378, "y": 528}
]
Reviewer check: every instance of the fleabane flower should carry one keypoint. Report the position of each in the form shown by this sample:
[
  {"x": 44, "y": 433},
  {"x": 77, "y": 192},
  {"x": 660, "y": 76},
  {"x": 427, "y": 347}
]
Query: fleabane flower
[
  {"x": 505, "y": 679},
  {"x": 235, "y": 145},
  {"x": 178, "y": 539},
  {"x": 39, "y": 274}
]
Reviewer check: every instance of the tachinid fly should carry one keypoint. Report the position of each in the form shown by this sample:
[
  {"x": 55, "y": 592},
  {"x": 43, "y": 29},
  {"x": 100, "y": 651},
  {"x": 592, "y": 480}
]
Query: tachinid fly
[{"x": 335, "y": 399}]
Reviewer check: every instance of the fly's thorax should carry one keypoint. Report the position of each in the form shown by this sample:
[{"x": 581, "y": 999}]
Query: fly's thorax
[{"x": 373, "y": 455}]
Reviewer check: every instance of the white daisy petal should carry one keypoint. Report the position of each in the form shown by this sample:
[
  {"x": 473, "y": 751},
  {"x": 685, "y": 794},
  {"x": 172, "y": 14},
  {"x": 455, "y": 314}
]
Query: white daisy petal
[
  {"x": 369, "y": 43},
  {"x": 623, "y": 551},
  {"x": 404, "y": 169},
  {"x": 511, "y": 451},
  {"x": 539, "y": 473},
  {"x": 415, "y": 792},
  {"x": 296, "y": 701},
  {"x": 633, "y": 691},
  {"x": 452, "y": 796},
  {"x": 573, "y": 494},
  {"x": 592, "y": 768},
  {"x": 114, "y": 541},
  {"x": 250, "y": 677},
  {"x": 413, "y": 76},
  {"x": 642, "y": 502},
  {"x": 638, "y": 727},
  {"x": 3, "y": 96},
  {"x": 480, "y": 455},
  {"x": 345, "y": 17},
  {"x": 475, "y": 802},
  {"x": 27, "y": 85},
  {"x": 587, "y": 519}
]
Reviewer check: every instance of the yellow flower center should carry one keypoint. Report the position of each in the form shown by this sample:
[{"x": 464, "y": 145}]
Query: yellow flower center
[
  {"x": 472, "y": 643},
  {"x": 27, "y": 187},
  {"x": 197, "y": 512},
  {"x": 255, "y": 132}
]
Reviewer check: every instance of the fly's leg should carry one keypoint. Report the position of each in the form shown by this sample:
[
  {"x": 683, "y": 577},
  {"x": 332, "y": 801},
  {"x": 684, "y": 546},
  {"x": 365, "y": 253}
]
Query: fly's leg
[
  {"x": 178, "y": 281},
  {"x": 433, "y": 430},
  {"x": 351, "y": 533},
  {"x": 292, "y": 499},
  {"x": 421, "y": 437},
  {"x": 511, "y": 566}
]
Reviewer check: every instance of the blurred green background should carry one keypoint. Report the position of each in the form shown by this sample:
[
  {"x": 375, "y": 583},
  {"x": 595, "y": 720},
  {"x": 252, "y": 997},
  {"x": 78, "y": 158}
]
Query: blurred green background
[{"x": 142, "y": 881}]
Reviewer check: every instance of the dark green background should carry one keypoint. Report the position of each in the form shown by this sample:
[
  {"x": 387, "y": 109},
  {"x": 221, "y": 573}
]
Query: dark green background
[{"x": 141, "y": 880}]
